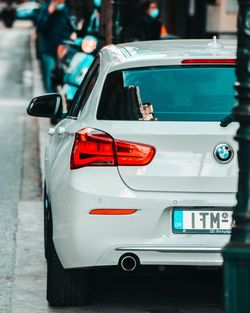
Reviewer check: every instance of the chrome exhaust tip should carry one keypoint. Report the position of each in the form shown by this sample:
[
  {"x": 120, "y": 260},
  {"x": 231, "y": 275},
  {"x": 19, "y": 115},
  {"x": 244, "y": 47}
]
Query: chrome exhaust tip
[{"x": 129, "y": 262}]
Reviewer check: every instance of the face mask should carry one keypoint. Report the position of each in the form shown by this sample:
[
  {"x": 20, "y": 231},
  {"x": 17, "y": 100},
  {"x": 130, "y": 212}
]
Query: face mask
[
  {"x": 98, "y": 3},
  {"x": 154, "y": 13},
  {"x": 60, "y": 6}
]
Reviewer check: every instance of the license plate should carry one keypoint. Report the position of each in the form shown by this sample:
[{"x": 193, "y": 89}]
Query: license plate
[{"x": 202, "y": 221}]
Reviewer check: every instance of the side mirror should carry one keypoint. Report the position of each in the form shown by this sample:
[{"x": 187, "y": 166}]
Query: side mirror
[{"x": 49, "y": 105}]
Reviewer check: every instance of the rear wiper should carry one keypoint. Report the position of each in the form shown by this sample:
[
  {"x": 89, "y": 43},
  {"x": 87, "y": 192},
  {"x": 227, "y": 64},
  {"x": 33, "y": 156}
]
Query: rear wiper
[{"x": 227, "y": 120}]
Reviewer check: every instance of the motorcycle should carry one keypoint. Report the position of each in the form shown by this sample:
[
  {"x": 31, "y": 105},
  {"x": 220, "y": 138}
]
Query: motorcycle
[
  {"x": 65, "y": 53},
  {"x": 78, "y": 67},
  {"x": 76, "y": 56}
]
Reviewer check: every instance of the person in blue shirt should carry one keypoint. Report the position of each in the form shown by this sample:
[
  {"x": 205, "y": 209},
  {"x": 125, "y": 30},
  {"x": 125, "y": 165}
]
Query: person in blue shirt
[{"x": 53, "y": 26}]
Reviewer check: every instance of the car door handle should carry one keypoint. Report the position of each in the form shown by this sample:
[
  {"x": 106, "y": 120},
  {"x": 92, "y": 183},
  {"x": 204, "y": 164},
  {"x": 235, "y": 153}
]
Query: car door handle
[
  {"x": 61, "y": 130},
  {"x": 51, "y": 131}
]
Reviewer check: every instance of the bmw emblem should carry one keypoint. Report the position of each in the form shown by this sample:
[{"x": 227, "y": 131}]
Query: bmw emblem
[{"x": 223, "y": 153}]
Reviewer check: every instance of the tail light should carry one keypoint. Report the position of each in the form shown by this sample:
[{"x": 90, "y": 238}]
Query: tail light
[
  {"x": 96, "y": 148},
  {"x": 89, "y": 44},
  {"x": 209, "y": 61},
  {"x": 61, "y": 51}
]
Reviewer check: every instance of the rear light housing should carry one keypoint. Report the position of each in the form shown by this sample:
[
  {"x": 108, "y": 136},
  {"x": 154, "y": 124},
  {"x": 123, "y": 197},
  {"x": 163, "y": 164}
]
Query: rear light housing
[{"x": 93, "y": 147}]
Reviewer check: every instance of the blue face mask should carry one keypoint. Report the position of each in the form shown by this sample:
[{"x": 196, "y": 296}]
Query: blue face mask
[
  {"x": 60, "y": 6},
  {"x": 154, "y": 13},
  {"x": 97, "y": 3}
]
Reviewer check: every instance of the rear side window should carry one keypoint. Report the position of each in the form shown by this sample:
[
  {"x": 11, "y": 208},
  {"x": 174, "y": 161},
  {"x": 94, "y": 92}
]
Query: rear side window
[{"x": 168, "y": 94}]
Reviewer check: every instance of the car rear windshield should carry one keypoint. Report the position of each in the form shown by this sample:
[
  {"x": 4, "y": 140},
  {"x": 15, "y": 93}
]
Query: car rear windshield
[{"x": 190, "y": 93}]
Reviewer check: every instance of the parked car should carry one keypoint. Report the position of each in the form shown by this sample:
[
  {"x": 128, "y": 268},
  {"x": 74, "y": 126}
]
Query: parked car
[{"x": 142, "y": 170}]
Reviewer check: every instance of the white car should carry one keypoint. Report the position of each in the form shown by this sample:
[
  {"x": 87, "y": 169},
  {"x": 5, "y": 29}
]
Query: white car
[{"x": 142, "y": 170}]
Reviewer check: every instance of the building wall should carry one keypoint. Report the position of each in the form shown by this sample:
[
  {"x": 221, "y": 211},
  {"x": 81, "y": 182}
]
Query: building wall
[
  {"x": 199, "y": 18},
  {"x": 222, "y": 17},
  {"x": 184, "y": 18}
]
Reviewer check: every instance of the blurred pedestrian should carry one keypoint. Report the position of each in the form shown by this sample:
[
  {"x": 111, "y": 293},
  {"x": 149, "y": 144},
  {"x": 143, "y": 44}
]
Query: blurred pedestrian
[
  {"x": 91, "y": 25},
  {"x": 142, "y": 22},
  {"x": 53, "y": 26},
  {"x": 94, "y": 21},
  {"x": 8, "y": 14},
  {"x": 150, "y": 22}
]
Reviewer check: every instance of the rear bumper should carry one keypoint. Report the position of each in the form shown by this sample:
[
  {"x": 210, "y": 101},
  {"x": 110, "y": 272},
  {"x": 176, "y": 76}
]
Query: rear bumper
[
  {"x": 167, "y": 255},
  {"x": 84, "y": 240}
]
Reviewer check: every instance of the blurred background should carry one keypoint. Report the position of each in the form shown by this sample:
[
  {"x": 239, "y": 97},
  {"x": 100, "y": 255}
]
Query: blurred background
[
  {"x": 183, "y": 18},
  {"x": 69, "y": 33}
]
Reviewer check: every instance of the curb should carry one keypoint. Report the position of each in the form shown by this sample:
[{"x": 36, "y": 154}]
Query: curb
[{"x": 43, "y": 123}]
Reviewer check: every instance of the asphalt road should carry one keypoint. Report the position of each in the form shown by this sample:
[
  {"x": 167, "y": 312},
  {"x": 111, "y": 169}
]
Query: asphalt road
[
  {"x": 22, "y": 265},
  {"x": 15, "y": 90}
]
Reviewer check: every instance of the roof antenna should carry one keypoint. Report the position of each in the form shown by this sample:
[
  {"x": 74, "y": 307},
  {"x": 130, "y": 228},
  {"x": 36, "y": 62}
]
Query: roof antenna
[{"x": 215, "y": 44}]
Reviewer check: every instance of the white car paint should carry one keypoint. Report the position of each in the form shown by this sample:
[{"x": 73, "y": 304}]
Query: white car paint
[{"x": 189, "y": 176}]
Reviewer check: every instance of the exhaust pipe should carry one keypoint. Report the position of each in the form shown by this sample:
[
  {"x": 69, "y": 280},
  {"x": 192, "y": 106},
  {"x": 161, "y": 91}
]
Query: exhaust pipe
[{"x": 129, "y": 262}]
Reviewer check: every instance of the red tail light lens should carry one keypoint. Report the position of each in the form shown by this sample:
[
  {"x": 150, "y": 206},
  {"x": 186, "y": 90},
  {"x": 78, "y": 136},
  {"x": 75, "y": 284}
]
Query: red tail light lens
[
  {"x": 96, "y": 148},
  {"x": 130, "y": 153},
  {"x": 209, "y": 61}
]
